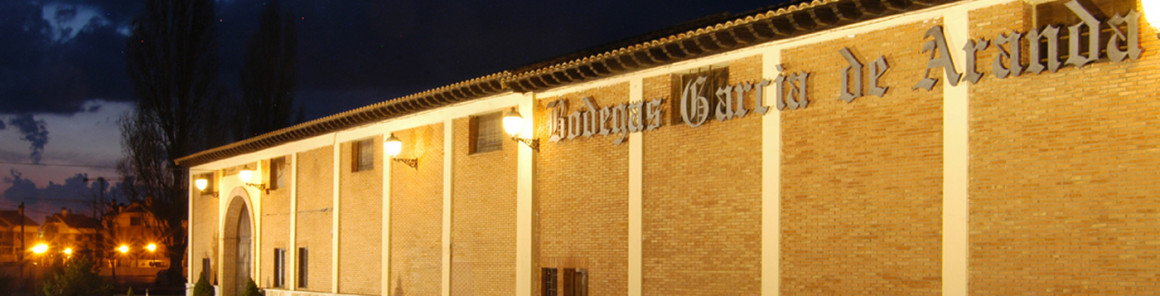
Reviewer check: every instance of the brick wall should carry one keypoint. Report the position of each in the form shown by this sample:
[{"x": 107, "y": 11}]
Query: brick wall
[
  {"x": 483, "y": 224},
  {"x": 360, "y": 223},
  {"x": 582, "y": 195},
  {"x": 275, "y": 233},
  {"x": 315, "y": 217},
  {"x": 861, "y": 182},
  {"x": 417, "y": 213},
  {"x": 702, "y": 199},
  {"x": 1063, "y": 173},
  {"x": 205, "y": 232}
]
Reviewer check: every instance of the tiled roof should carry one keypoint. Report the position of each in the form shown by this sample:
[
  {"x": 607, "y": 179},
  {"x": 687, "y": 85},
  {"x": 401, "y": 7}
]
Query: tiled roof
[
  {"x": 13, "y": 218},
  {"x": 703, "y": 37}
]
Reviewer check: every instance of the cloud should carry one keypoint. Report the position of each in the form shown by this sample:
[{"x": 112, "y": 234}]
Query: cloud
[
  {"x": 68, "y": 20},
  {"x": 62, "y": 53},
  {"x": 1, "y": 125},
  {"x": 34, "y": 132},
  {"x": 75, "y": 193}
]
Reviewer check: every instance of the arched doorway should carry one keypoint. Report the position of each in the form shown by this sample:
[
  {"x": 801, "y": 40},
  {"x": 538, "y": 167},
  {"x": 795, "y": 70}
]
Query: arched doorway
[{"x": 238, "y": 245}]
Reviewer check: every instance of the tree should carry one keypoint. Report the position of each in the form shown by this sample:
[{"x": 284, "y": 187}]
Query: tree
[
  {"x": 78, "y": 277},
  {"x": 268, "y": 74},
  {"x": 172, "y": 63},
  {"x": 202, "y": 287}
]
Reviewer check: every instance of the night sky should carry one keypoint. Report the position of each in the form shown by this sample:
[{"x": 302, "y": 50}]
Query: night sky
[{"x": 63, "y": 84}]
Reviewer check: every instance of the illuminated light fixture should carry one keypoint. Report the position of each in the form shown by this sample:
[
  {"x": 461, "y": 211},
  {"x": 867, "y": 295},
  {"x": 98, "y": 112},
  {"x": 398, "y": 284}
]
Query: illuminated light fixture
[
  {"x": 67, "y": 251},
  {"x": 151, "y": 247},
  {"x": 201, "y": 183},
  {"x": 512, "y": 123},
  {"x": 40, "y": 248},
  {"x": 392, "y": 146},
  {"x": 1152, "y": 13},
  {"x": 123, "y": 249},
  {"x": 246, "y": 175}
]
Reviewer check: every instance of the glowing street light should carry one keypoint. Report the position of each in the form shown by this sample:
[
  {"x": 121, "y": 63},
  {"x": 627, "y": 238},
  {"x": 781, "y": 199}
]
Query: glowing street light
[
  {"x": 151, "y": 247},
  {"x": 40, "y": 248},
  {"x": 67, "y": 251},
  {"x": 123, "y": 249}
]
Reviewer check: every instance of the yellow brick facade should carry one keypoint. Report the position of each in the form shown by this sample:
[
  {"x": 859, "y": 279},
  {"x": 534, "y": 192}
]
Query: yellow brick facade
[
  {"x": 416, "y": 213},
  {"x": 483, "y": 232},
  {"x": 1060, "y": 196},
  {"x": 582, "y": 199},
  {"x": 360, "y": 223}
]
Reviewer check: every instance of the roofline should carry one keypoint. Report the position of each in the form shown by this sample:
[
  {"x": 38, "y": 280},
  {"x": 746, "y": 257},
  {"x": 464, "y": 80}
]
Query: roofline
[{"x": 744, "y": 30}]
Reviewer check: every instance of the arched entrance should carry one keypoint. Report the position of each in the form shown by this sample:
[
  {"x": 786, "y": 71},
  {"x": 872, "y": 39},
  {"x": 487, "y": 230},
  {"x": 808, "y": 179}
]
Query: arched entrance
[{"x": 238, "y": 245}]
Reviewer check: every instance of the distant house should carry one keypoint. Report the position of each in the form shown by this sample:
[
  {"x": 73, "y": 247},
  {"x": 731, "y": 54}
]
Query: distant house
[
  {"x": 131, "y": 225},
  {"x": 10, "y": 222},
  {"x": 70, "y": 230}
]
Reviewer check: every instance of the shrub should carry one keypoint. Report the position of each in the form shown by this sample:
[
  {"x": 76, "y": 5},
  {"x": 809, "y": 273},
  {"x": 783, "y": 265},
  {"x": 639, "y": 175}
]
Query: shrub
[
  {"x": 202, "y": 287},
  {"x": 78, "y": 277},
  {"x": 251, "y": 289}
]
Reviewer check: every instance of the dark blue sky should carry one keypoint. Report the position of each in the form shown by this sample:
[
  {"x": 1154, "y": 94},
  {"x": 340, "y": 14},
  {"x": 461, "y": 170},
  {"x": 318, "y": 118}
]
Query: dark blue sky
[{"x": 63, "y": 83}]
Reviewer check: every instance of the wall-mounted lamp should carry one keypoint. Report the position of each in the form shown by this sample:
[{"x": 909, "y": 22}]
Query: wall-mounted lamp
[
  {"x": 246, "y": 175},
  {"x": 201, "y": 183},
  {"x": 1152, "y": 14},
  {"x": 393, "y": 146},
  {"x": 512, "y": 123}
]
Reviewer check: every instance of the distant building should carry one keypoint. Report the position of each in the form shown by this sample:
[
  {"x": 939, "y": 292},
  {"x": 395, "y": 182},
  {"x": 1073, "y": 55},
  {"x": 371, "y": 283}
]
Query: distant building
[
  {"x": 10, "y": 235},
  {"x": 68, "y": 230},
  {"x": 133, "y": 226}
]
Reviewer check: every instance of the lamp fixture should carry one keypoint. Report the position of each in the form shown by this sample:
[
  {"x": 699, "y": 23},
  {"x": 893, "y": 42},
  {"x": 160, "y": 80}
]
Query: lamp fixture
[
  {"x": 246, "y": 175},
  {"x": 512, "y": 123},
  {"x": 392, "y": 146},
  {"x": 202, "y": 183},
  {"x": 1152, "y": 14}
]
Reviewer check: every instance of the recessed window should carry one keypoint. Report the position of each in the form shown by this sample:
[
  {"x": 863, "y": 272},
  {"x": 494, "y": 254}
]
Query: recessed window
[
  {"x": 134, "y": 221},
  {"x": 302, "y": 267},
  {"x": 279, "y": 267},
  {"x": 548, "y": 283},
  {"x": 486, "y": 132},
  {"x": 207, "y": 271},
  {"x": 277, "y": 173},
  {"x": 363, "y": 156}
]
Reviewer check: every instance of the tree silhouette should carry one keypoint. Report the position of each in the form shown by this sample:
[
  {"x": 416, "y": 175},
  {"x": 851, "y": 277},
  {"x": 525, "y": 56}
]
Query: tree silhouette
[
  {"x": 268, "y": 74},
  {"x": 172, "y": 62}
]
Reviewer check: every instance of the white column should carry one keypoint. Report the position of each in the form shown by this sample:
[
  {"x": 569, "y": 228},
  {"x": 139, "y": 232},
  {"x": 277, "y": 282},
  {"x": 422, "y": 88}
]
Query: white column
[
  {"x": 192, "y": 278},
  {"x": 770, "y": 183},
  {"x": 956, "y": 161},
  {"x": 385, "y": 278},
  {"x": 337, "y": 154},
  {"x": 447, "y": 165},
  {"x": 291, "y": 268},
  {"x": 525, "y": 235},
  {"x": 635, "y": 206}
]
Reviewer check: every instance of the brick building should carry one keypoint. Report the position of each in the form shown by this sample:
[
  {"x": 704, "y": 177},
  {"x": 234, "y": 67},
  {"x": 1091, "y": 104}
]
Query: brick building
[{"x": 832, "y": 147}]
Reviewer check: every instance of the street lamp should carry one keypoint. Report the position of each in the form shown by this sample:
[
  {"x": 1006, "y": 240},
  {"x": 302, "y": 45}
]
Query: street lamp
[
  {"x": 40, "y": 248},
  {"x": 513, "y": 123},
  {"x": 1152, "y": 13},
  {"x": 392, "y": 146},
  {"x": 151, "y": 247}
]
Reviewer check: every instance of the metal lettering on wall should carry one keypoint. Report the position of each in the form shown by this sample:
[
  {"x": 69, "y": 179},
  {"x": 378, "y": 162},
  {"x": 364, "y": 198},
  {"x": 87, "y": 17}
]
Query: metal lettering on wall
[
  {"x": 1086, "y": 45},
  {"x": 621, "y": 119},
  {"x": 1008, "y": 63},
  {"x": 730, "y": 99}
]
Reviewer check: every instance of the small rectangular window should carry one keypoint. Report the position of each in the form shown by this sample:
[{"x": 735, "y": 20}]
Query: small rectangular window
[
  {"x": 277, "y": 173},
  {"x": 548, "y": 282},
  {"x": 486, "y": 132},
  {"x": 134, "y": 221},
  {"x": 279, "y": 267},
  {"x": 206, "y": 271},
  {"x": 302, "y": 267},
  {"x": 363, "y": 156}
]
